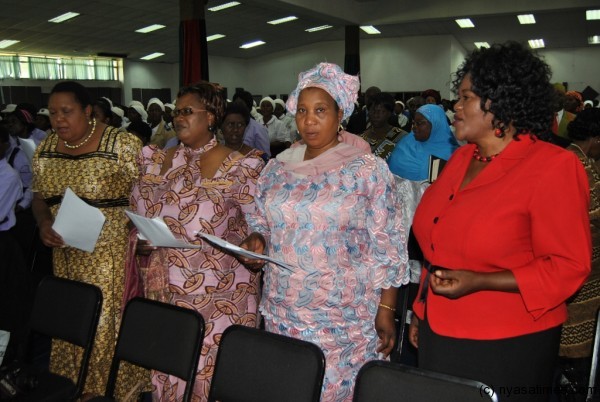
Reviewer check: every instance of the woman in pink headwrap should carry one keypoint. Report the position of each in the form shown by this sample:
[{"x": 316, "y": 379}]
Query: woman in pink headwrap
[{"x": 328, "y": 208}]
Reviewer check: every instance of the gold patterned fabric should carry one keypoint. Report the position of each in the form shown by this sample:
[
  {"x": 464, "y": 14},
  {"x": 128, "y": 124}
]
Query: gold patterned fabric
[
  {"x": 103, "y": 178},
  {"x": 383, "y": 147},
  {"x": 578, "y": 330}
]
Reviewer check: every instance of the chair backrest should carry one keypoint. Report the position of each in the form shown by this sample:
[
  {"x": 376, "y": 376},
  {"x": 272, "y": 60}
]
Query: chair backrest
[
  {"x": 594, "y": 366},
  {"x": 68, "y": 310},
  {"x": 380, "y": 381},
  {"x": 254, "y": 365},
  {"x": 161, "y": 337}
]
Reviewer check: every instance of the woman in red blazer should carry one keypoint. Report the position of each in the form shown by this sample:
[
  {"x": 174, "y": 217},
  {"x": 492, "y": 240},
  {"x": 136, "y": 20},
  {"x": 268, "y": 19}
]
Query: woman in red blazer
[{"x": 504, "y": 231}]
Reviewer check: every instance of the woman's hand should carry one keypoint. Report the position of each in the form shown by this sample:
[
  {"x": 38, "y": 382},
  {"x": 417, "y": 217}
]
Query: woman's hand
[
  {"x": 413, "y": 331},
  {"x": 458, "y": 283},
  {"x": 386, "y": 330},
  {"x": 256, "y": 243},
  {"x": 454, "y": 283},
  {"x": 144, "y": 247},
  {"x": 48, "y": 236}
]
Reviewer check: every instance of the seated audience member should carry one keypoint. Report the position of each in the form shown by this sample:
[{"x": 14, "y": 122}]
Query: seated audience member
[
  {"x": 101, "y": 111},
  {"x": 255, "y": 135},
  {"x": 117, "y": 117},
  {"x": 42, "y": 120},
  {"x": 234, "y": 124},
  {"x": 431, "y": 136},
  {"x": 161, "y": 133},
  {"x": 401, "y": 115},
  {"x": 136, "y": 112},
  {"x": 140, "y": 130},
  {"x": 14, "y": 279},
  {"x": 279, "y": 138},
  {"x": 358, "y": 122},
  {"x": 432, "y": 97},
  {"x": 382, "y": 136},
  {"x": 573, "y": 102}
]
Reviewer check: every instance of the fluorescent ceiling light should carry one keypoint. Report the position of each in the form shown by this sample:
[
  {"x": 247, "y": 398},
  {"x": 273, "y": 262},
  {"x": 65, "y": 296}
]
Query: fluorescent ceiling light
[
  {"x": 536, "y": 43},
  {"x": 150, "y": 28},
  {"x": 319, "y": 28},
  {"x": 214, "y": 37},
  {"x": 592, "y": 15},
  {"x": 224, "y": 6},
  {"x": 282, "y": 20},
  {"x": 370, "y": 29},
  {"x": 465, "y": 23},
  {"x": 64, "y": 17},
  {"x": 479, "y": 45},
  {"x": 152, "y": 56},
  {"x": 7, "y": 42},
  {"x": 592, "y": 40},
  {"x": 252, "y": 44},
  {"x": 526, "y": 19}
]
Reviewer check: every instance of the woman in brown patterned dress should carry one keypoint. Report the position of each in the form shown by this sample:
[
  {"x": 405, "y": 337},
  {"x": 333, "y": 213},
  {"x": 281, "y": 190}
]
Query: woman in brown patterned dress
[
  {"x": 199, "y": 186},
  {"x": 577, "y": 336},
  {"x": 98, "y": 164}
]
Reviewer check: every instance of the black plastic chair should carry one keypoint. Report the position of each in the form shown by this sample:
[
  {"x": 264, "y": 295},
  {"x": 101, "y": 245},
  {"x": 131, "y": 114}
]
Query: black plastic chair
[
  {"x": 257, "y": 366},
  {"x": 67, "y": 310},
  {"x": 158, "y": 336},
  {"x": 381, "y": 381}
]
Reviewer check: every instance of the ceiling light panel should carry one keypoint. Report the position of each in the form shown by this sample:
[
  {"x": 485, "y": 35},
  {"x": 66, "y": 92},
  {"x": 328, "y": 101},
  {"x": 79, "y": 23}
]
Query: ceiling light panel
[
  {"x": 592, "y": 15},
  {"x": 224, "y": 6},
  {"x": 370, "y": 29},
  {"x": 214, "y": 37},
  {"x": 465, "y": 23},
  {"x": 7, "y": 42},
  {"x": 592, "y": 40},
  {"x": 252, "y": 44},
  {"x": 526, "y": 19},
  {"x": 536, "y": 43},
  {"x": 63, "y": 17},
  {"x": 319, "y": 28},
  {"x": 283, "y": 20},
  {"x": 152, "y": 56},
  {"x": 479, "y": 45},
  {"x": 150, "y": 28}
]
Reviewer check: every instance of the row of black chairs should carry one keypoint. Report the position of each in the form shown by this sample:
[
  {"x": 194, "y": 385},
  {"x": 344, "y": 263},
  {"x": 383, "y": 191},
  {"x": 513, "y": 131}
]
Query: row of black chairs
[{"x": 251, "y": 366}]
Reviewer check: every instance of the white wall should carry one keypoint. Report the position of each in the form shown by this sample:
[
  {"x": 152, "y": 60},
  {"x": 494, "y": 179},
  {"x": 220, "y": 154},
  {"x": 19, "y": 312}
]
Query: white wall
[
  {"x": 393, "y": 64},
  {"x": 149, "y": 75},
  {"x": 579, "y": 67}
]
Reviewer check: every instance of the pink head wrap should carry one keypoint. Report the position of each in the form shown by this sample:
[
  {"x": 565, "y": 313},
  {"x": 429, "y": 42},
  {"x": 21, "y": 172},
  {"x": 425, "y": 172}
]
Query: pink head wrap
[{"x": 342, "y": 87}]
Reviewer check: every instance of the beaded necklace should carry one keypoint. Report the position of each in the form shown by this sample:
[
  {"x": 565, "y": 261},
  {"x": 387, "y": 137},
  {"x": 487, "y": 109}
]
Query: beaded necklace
[
  {"x": 484, "y": 159},
  {"x": 85, "y": 140}
]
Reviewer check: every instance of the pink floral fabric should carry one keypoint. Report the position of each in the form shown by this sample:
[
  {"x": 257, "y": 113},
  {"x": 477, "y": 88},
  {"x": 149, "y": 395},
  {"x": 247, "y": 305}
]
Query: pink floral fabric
[{"x": 207, "y": 280}]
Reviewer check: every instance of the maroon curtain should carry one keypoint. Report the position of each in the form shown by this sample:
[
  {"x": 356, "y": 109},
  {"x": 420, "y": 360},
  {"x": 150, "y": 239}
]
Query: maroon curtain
[{"x": 193, "y": 54}]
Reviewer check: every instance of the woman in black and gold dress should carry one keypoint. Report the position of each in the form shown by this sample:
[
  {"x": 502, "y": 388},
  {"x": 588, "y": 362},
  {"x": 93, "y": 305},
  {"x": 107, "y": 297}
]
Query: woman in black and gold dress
[{"x": 98, "y": 163}]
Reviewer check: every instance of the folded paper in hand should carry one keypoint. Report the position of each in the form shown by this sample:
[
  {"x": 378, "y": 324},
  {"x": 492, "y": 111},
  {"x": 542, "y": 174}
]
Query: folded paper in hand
[
  {"x": 78, "y": 223},
  {"x": 243, "y": 252},
  {"x": 156, "y": 231}
]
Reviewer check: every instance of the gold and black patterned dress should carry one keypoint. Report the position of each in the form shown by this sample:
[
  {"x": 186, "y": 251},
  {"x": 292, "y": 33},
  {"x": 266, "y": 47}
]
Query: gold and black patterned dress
[
  {"x": 103, "y": 179},
  {"x": 578, "y": 331},
  {"x": 383, "y": 147}
]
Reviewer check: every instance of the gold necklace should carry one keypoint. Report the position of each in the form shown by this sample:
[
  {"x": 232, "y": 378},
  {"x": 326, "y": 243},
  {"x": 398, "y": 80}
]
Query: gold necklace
[{"x": 85, "y": 140}]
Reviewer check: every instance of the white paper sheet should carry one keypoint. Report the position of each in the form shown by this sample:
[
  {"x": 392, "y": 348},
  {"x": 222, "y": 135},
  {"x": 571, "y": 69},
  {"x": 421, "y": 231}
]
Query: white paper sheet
[
  {"x": 28, "y": 146},
  {"x": 243, "y": 252},
  {"x": 78, "y": 223},
  {"x": 156, "y": 231}
]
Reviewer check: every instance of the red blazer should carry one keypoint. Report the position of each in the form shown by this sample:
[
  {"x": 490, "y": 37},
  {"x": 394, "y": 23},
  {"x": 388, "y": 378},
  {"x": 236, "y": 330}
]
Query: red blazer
[{"x": 526, "y": 212}]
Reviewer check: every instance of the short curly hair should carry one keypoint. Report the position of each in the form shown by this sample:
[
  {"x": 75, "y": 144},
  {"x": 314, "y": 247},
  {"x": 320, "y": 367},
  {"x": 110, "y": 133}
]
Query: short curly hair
[
  {"x": 585, "y": 125},
  {"x": 211, "y": 95},
  {"x": 515, "y": 81}
]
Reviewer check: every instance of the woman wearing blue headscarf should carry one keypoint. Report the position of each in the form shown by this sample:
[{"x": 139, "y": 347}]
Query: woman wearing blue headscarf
[{"x": 431, "y": 135}]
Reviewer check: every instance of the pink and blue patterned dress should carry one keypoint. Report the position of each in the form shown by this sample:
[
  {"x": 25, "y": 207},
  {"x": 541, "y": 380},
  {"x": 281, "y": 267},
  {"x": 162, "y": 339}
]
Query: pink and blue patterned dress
[{"x": 341, "y": 229}]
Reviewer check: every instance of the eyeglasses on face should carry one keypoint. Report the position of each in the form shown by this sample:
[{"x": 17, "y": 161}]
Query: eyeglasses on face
[
  {"x": 186, "y": 111},
  {"x": 232, "y": 125}
]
